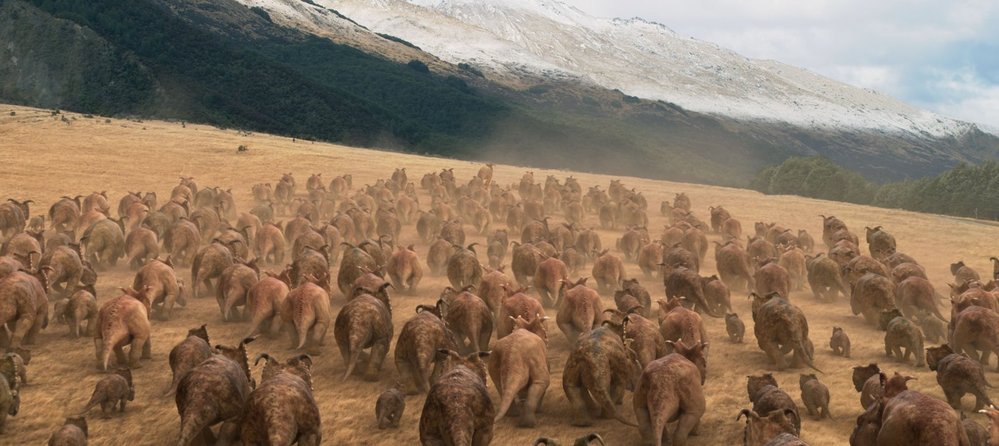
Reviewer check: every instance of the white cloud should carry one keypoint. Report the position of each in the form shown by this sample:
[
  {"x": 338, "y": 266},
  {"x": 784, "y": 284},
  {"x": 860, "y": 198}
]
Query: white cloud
[
  {"x": 968, "y": 97},
  {"x": 980, "y": 109}
]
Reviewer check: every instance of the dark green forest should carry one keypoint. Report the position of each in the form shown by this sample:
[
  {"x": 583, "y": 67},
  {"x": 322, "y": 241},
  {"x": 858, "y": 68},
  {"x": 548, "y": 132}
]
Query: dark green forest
[
  {"x": 289, "y": 84},
  {"x": 964, "y": 190}
]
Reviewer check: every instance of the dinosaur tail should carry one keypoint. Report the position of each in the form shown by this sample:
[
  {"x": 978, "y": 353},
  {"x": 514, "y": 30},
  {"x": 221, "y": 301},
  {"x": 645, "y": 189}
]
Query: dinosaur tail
[{"x": 193, "y": 423}]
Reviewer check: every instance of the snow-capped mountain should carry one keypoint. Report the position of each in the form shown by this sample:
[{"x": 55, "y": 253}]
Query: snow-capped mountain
[{"x": 549, "y": 39}]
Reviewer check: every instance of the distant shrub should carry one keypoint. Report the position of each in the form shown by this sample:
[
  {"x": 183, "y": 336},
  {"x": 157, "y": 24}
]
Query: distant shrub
[
  {"x": 337, "y": 13},
  {"x": 539, "y": 89},
  {"x": 671, "y": 106},
  {"x": 474, "y": 71},
  {"x": 458, "y": 84},
  {"x": 261, "y": 12},
  {"x": 632, "y": 99},
  {"x": 418, "y": 66},
  {"x": 398, "y": 40}
]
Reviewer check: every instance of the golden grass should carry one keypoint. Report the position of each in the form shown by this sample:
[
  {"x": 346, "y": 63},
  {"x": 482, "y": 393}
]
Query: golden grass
[{"x": 44, "y": 157}]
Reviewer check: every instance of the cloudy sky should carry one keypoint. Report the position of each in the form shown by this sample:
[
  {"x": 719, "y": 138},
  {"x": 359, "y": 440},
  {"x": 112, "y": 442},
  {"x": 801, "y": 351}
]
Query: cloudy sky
[{"x": 942, "y": 55}]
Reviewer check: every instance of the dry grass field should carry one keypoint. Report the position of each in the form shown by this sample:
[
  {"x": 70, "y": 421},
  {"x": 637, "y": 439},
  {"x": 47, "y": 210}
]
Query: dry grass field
[{"x": 44, "y": 157}]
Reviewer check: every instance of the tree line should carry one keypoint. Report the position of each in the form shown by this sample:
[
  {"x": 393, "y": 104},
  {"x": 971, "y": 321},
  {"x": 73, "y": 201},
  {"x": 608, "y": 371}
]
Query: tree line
[{"x": 964, "y": 190}]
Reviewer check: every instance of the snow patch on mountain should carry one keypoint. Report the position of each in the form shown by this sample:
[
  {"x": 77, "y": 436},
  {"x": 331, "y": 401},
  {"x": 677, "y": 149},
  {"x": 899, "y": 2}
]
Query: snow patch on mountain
[
  {"x": 324, "y": 21},
  {"x": 550, "y": 39}
]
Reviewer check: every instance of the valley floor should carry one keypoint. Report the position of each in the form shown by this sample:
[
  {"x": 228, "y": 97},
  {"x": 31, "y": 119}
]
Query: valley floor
[{"x": 45, "y": 156}]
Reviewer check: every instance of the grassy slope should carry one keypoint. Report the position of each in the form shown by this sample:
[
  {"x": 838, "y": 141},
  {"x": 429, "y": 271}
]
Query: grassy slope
[{"x": 45, "y": 157}]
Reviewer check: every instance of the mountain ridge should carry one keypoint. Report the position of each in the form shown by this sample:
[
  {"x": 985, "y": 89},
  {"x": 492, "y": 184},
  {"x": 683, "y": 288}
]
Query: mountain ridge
[{"x": 550, "y": 37}]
